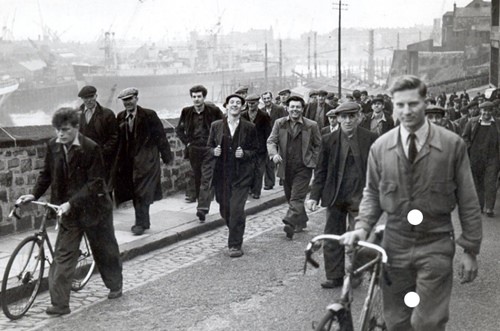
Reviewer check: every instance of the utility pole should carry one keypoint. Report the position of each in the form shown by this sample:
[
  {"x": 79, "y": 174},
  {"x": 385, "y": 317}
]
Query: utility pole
[
  {"x": 340, "y": 8},
  {"x": 371, "y": 55},
  {"x": 397, "y": 43},
  {"x": 308, "y": 56},
  {"x": 281, "y": 65},
  {"x": 315, "y": 56},
  {"x": 265, "y": 67}
]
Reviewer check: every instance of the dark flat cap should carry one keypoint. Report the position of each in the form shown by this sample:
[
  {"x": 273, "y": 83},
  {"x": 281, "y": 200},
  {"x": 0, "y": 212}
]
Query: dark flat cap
[
  {"x": 347, "y": 107},
  {"x": 356, "y": 94},
  {"x": 128, "y": 93},
  {"x": 434, "y": 109},
  {"x": 252, "y": 97},
  {"x": 322, "y": 93},
  {"x": 487, "y": 104},
  {"x": 331, "y": 113},
  {"x": 330, "y": 96},
  {"x": 234, "y": 95},
  {"x": 378, "y": 98},
  {"x": 285, "y": 91},
  {"x": 241, "y": 89},
  {"x": 87, "y": 92}
]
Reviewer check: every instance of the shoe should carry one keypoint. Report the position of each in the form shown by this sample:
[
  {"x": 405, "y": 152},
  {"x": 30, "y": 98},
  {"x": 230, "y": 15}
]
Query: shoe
[
  {"x": 115, "y": 294},
  {"x": 201, "y": 215},
  {"x": 267, "y": 188},
  {"x": 289, "y": 230},
  {"x": 490, "y": 213},
  {"x": 137, "y": 230},
  {"x": 256, "y": 196},
  {"x": 53, "y": 310},
  {"x": 332, "y": 283},
  {"x": 235, "y": 252},
  {"x": 190, "y": 199}
]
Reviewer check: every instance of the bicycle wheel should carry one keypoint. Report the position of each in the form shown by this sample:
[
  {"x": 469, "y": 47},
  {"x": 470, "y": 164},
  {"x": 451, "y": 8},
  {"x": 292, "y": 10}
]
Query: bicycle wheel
[
  {"x": 22, "y": 277},
  {"x": 372, "y": 318},
  {"x": 85, "y": 266},
  {"x": 336, "y": 321}
]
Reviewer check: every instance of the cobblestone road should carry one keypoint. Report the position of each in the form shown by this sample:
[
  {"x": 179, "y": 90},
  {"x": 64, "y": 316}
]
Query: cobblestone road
[{"x": 164, "y": 261}]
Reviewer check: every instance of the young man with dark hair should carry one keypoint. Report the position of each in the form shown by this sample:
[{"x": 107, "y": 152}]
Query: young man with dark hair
[{"x": 75, "y": 173}]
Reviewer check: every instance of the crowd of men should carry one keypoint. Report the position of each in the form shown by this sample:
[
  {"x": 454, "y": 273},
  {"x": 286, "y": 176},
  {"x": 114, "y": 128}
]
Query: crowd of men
[{"x": 357, "y": 155}]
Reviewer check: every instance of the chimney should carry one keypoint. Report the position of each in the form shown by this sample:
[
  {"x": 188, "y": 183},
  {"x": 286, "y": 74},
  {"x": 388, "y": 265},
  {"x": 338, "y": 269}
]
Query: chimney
[{"x": 454, "y": 8}]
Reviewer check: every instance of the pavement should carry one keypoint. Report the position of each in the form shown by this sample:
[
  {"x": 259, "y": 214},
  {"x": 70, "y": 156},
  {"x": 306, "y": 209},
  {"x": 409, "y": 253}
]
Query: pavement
[{"x": 172, "y": 220}]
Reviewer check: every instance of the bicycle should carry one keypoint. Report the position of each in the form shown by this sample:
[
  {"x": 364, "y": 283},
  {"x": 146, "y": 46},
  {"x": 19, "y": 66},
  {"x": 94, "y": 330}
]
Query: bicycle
[
  {"x": 23, "y": 276},
  {"x": 339, "y": 315}
]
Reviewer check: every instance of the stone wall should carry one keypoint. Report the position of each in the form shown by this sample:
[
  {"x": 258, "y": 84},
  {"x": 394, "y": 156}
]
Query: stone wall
[{"x": 20, "y": 163}]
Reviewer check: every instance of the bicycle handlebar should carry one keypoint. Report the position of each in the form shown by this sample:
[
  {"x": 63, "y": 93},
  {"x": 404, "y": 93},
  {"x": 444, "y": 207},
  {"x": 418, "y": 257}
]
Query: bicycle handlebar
[
  {"x": 312, "y": 247},
  {"x": 13, "y": 212}
]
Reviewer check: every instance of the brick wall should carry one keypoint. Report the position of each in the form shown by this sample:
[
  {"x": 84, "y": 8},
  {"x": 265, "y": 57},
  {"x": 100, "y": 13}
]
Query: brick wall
[{"x": 20, "y": 165}]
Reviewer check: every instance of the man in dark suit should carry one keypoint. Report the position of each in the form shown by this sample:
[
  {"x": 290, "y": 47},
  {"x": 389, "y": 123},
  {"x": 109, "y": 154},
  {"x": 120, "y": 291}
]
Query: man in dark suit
[
  {"x": 334, "y": 125},
  {"x": 338, "y": 181},
  {"x": 193, "y": 130},
  {"x": 294, "y": 144},
  {"x": 99, "y": 124},
  {"x": 262, "y": 123},
  {"x": 74, "y": 171},
  {"x": 377, "y": 121},
  {"x": 138, "y": 172},
  {"x": 317, "y": 111},
  {"x": 275, "y": 112}
]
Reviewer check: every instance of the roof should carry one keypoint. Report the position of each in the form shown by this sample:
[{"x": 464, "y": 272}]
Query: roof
[
  {"x": 33, "y": 65},
  {"x": 473, "y": 12}
]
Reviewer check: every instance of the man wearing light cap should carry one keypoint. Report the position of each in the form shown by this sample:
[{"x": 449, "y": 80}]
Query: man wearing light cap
[
  {"x": 338, "y": 182},
  {"x": 284, "y": 95},
  {"x": 99, "y": 124},
  {"x": 481, "y": 135},
  {"x": 138, "y": 172},
  {"x": 313, "y": 97},
  {"x": 436, "y": 114},
  {"x": 317, "y": 111},
  {"x": 417, "y": 173},
  {"x": 334, "y": 125},
  {"x": 242, "y": 91},
  {"x": 294, "y": 146},
  {"x": 262, "y": 123}
]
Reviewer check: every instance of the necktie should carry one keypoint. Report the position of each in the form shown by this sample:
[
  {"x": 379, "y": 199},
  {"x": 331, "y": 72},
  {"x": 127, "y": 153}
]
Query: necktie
[
  {"x": 65, "y": 161},
  {"x": 130, "y": 119},
  {"x": 412, "y": 149}
]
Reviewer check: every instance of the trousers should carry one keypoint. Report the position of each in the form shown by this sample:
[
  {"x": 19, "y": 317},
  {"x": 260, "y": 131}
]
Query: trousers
[
  {"x": 196, "y": 157},
  {"x": 485, "y": 181},
  {"x": 296, "y": 186},
  {"x": 270, "y": 173},
  {"x": 260, "y": 167},
  {"x": 142, "y": 213}
]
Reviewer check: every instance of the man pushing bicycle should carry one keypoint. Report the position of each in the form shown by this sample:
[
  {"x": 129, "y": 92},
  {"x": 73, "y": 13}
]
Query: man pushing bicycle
[
  {"x": 74, "y": 171},
  {"x": 417, "y": 173}
]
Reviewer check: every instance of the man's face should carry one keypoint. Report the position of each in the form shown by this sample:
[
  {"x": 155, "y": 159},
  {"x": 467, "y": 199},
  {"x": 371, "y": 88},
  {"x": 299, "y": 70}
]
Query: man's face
[
  {"x": 409, "y": 107},
  {"x": 66, "y": 133},
  {"x": 90, "y": 102},
  {"x": 348, "y": 121},
  {"x": 332, "y": 120},
  {"x": 130, "y": 103},
  {"x": 377, "y": 106},
  {"x": 473, "y": 111},
  {"x": 253, "y": 105},
  {"x": 234, "y": 106},
  {"x": 242, "y": 94},
  {"x": 321, "y": 99},
  {"x": 486, "y": 113},
  {"x": 313, "y": 98},
  {"x": 198, "y": 99},
  {"x": 363, "y": 97},
  {"x": 295, "y": 110},
  {"x": 284, "y": 97},
  {"x": 435, "y": 118},
  {"x": 267, "y": 99}
]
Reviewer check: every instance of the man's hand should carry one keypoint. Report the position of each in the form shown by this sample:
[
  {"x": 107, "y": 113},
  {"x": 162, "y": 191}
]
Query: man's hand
[
  {"x": 239, "y": 153},
  {"x": 65, "y": 207},
  {"x": 277, "y": 159},
  {"x": 352, "y": 237},
  {"x": 217, "y": 151},
  {"x": 25, "y": 199},
  {"x": 467, "y": 270},
  {"x": 312, "y": 205}
]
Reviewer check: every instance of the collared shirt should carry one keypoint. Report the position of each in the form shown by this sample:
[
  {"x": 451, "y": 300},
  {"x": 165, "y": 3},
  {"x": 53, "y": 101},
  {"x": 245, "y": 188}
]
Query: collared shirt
[
  {"x": 486, "y": 123},
  {"x": 334, "y": 128},
  {"x": 75, "y": 142},
  {"x": 89, "y": 113},
  {"x": 201, "y": 110},
  {"x": 294, "y": 125},
  {"x": 233, "y": 125},
  {"x": 421, "y": 136}
]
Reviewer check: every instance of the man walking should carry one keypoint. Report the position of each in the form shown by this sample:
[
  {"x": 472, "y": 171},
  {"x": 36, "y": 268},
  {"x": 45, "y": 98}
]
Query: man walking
[
  {"x": 294, "y": 144},
  {"x": 417, "y": 173},
  {"x": 317, "y": 111},
  {"x": 74, "y": 171},
  {"x": 377, "y": 120},
  {"x": 99, "y": 124},
  {"x": 193, "y": 130},
  {"x": 334, "y": 125},
  {"x": 338, "y": 181},
  {"x": 142, "y": 143}
]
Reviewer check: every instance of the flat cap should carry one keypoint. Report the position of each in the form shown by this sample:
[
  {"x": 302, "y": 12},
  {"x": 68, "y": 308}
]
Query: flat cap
[
  {"x": 234, "y": 95},
  {"x": 252, "y": 97},
  {"x": 128, "y": 93},
  {"x": 378, "y": 98},
  {"x": 330, "y": 96},
  {"x": 347, "y": 107},
  {"x": 322, "y": 93},
  {"x": 356, "y": 94},
  {"x": 434, "y": 109},
  {"x": 331, "y": 113},
  {"x": 87, "y": 91},
  {"x": 313, "y": 93},
  {"x": 486, "y": 104},
  {"x": 241, "y": 89},
  {"x": 285, "y": 91}
]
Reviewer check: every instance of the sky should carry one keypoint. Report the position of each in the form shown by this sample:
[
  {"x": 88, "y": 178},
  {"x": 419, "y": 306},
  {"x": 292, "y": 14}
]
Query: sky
[{"x": 76, "y": 20}]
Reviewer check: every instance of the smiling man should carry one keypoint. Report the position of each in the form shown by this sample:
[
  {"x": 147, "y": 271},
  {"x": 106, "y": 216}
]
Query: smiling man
[
  {"x": 419, "y": 166},
  {"x": 294, "y": 146}
]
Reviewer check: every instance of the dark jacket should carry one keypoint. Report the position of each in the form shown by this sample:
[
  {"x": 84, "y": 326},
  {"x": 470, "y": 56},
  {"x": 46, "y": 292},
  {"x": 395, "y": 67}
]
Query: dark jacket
[
  {"x": 327, "y": 180},
  {"x": 82, "y": 186},
  {"x": 327, "y": 130},
  {"x": 384, "y": 127},
  {"x": 103, "y": 129},
  {"x": 470, "y": 131},
  {"x": 276, "y": 112},
  {"x": 137, "y": 167},
  {"x": 310, "y": 112},
  {"x": 262, "y": 127},
  {"x": 185, "y": 127}
]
